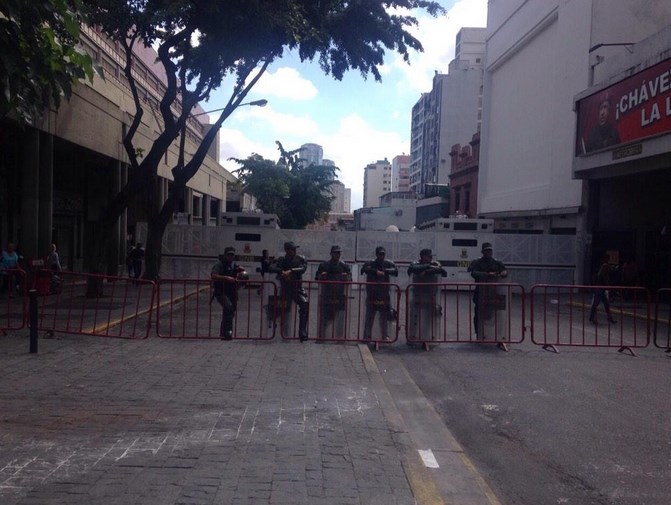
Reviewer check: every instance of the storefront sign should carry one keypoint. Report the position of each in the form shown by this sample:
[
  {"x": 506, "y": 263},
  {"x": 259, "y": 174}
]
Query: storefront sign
[{"x": 632, "y": 109}]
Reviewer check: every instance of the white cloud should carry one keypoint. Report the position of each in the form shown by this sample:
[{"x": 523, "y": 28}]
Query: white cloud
[
  {"x": 287, "y": 83},
  {"x": 437, "y": 36},
  {"x": 353, "y": 145}
]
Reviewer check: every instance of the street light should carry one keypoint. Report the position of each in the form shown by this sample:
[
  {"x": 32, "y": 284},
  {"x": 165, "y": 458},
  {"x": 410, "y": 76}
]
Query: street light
[{"x": 256, "y": 103}]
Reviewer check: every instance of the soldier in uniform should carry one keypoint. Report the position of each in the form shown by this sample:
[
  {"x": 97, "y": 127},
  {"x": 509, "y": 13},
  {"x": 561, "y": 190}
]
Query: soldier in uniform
[
  {"x": 378, "y": 301},
  {"x": 290, "y": 269},
  {"x": 333, "y": 297},
  {"x": 424, "y": 309},
  {"x": 484, "y": 269},
  {"x": 225, "y": 276}
]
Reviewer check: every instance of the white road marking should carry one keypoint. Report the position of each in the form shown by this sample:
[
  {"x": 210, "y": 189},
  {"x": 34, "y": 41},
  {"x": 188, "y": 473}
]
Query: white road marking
[{"x": 428, "y": 458}]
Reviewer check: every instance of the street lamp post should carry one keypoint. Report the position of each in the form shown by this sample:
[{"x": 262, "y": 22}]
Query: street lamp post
[{"x": 255, "y": 103}]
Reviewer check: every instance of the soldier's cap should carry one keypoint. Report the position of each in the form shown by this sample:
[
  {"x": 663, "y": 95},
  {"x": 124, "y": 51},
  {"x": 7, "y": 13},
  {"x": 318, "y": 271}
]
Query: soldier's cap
[
  {"x": 229, "y": 250},
  {"x": 486, "y": 246},
  {"x": 380, "y": 250},
  {"x": 290, "y": 245},
  {"x": 336, "y": 249},
  {"x": 426, "y": 252}
]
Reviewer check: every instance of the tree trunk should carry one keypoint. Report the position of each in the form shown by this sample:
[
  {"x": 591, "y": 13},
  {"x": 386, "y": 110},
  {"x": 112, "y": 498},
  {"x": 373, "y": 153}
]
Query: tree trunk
[{"x": 156, "y": 226}]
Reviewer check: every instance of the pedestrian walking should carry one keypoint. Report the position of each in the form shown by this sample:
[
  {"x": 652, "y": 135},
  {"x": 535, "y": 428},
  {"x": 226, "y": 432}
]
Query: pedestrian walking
[
  {"x": 333, "y": 294},
  {"x": 10, "y": 268},
  {"x": 226, "y": 275},
  {"x": 424, "y": 308},
  {"x": 485, "y": 270},
  {"x": 290, "y": 269},
  {"x": 378, "y": 301},
  {"x": 603, "y": 277}
]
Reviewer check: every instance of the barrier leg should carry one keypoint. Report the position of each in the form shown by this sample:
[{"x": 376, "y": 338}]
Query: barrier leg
[
  {"x": 33, "y": 320},
  {"x": 627, "y": 348}
]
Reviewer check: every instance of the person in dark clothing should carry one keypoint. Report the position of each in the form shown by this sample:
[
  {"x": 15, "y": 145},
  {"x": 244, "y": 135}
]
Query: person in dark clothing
[
  {"x": 333, "y": 297},
  {"x": 378, "y": 300},
  {"x": 424, "y": 308},
  {"x": 263, "y": 270},
  {"x": 226, "y": 275},
  {"x": 136, "y": 259},
  {"x": 290, "y": 269},
  {"x": 485, "y": 269},
  {"x": 601, "y": 291}
]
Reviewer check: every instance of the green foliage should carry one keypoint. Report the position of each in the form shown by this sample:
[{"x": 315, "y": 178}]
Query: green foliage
[
  {"x": 40, "y": 60},
  {"x": 201, "y": 42},
  {"x": 297, "y": 193}
]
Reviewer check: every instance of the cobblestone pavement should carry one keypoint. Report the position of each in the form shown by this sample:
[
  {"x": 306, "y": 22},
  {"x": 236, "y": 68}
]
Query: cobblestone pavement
[{"x": 104, "y": 421}]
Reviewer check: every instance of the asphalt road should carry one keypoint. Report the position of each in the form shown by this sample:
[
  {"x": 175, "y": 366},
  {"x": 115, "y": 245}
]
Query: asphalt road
[{"x": 585, "y": 426}]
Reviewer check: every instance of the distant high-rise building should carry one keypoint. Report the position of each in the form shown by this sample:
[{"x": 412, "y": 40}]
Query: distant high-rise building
[
  {"x": 376, "y": 182},
  {"x": 449, "y": 113},
  {"x": 400, "y": 167},
  {"x": 312, "y": 154},
  {"x": 343, "y": 198}
]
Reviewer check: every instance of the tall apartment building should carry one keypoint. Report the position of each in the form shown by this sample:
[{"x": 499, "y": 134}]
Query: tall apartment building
[
  {"x": 400, "y": 172},
  {"x": 377, "y": 181},
  {"x": 312, "y": 154},
  {"x": 551, "y": 65},
  {"x": 343, "y": 198},
  {"x": 449, "y": 114}
]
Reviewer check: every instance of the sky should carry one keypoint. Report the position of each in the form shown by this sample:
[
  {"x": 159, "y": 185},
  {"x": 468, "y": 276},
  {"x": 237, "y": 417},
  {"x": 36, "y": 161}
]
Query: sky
[{"x": 356, "y": 121}]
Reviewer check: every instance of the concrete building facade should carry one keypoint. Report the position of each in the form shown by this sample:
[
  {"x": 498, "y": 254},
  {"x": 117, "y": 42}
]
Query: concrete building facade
[
  {"x": 377, "y": 180},
  {"x": 464, "y": 178},
  {"x": 57, "y": 175},
  {"x": 343, "y": 198},
  {"x": 448, "y": 114},
  {"x": 312, "y": 154},
  {"x": 397, "y": 212},
  {"x": 544, "y": 57},
  {"x": 400, "y": 172}
]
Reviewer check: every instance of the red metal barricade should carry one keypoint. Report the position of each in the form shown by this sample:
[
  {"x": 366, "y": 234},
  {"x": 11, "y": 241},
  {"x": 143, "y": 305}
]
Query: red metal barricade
[
  {"x": 488, "y": 313},
  {"x": 662, "y": 328},
  {"x": 344, "y": 312},
  {"x": 13, "y": 300},
  {"x": 561, "y": 315},
  {"x": 187, "y": 308},
  {"x": 97, "y": 305}
]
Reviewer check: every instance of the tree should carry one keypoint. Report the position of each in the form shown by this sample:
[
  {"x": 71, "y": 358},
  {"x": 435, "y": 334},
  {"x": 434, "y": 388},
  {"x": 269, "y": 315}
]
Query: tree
[
  {"x": 199, "y": 42},
  {"x": 297, "y": 193},
  {"x": 41, "y": 60}
]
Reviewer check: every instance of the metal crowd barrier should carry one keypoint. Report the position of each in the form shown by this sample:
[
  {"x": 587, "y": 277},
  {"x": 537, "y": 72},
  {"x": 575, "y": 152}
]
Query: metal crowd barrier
[
  {"x": 345, "y": 311},
  {"x": 98, "y": 305},
  {"x": 561, "y": 316},
  {"x": 662, "y": 325},
  {"x": 13, "y": 300},
  {"x": 488, "y": 313},
  {"x": 187, "y": 309}
]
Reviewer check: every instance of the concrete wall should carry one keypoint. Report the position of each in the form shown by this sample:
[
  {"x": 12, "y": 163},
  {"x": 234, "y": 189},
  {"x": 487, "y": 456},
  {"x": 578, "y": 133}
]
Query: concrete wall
[{"x": 537, "y": 57}]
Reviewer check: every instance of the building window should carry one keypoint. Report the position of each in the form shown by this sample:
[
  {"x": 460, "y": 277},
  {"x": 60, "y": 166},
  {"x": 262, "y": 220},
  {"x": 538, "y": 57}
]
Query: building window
[{"x": 197, "y": 210}]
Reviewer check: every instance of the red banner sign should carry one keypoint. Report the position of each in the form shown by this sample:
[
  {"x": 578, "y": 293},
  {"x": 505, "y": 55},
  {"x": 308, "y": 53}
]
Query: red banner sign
[{"x": 632, "y": 109}]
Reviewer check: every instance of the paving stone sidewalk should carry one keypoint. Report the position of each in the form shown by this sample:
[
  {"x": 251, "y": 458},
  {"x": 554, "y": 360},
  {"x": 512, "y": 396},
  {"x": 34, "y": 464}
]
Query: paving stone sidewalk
[{"x": 104, "y": 421}]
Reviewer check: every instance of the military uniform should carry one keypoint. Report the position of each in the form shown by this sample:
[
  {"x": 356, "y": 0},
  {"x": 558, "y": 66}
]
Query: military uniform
[
  {"x": 378, "y": 300},
  {"x": 291, "y": 289},
  {"x": 333, "y": 297},
  {"x": 424, "y": 308},
  {"x": 483, "y": 270},
  {"x": 226, "y": 292}
]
